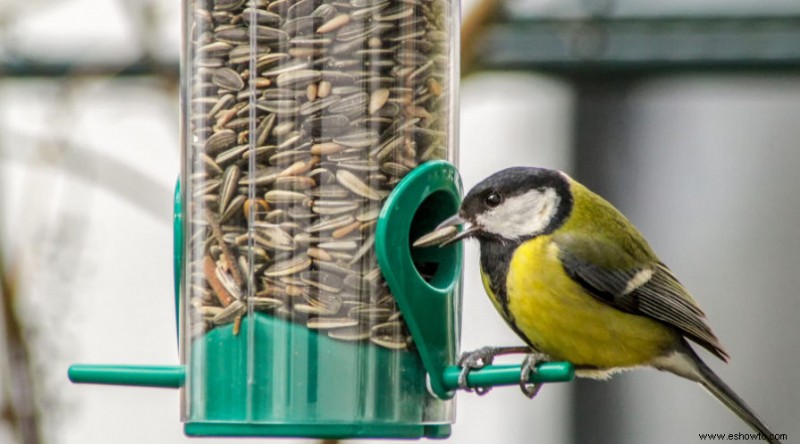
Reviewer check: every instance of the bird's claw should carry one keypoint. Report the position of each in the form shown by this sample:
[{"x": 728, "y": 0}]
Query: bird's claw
[
  {"x": 474, "y": 360},
  {"x": 480, "y": 358},
  {"x": 528, "y": 367}
]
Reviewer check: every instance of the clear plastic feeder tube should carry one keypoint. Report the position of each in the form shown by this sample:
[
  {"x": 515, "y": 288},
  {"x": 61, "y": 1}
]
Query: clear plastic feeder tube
[{"x": 300, "y": 117}]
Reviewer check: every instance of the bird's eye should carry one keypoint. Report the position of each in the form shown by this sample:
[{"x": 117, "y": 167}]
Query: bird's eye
[{"x": 493, "y": 199}]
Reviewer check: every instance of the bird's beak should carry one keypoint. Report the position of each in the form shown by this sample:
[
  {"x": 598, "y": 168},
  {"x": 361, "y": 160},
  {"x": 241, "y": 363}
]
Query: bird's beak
[{"x": 469, "y": 228}]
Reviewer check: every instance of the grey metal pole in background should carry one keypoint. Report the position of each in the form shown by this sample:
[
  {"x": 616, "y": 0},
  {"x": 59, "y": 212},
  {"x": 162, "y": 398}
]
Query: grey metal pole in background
[{"x": 707, "y": 168}]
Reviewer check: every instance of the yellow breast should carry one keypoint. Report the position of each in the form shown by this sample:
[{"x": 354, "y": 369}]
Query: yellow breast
[{"x": 562, "y": 320}]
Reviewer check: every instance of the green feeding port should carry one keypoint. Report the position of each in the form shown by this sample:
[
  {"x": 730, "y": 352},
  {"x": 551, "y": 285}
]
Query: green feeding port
[
  {"x": 439, "y": 267},
  {"x": 267, "y": 376},
  {"x": 425, "y": 282}
]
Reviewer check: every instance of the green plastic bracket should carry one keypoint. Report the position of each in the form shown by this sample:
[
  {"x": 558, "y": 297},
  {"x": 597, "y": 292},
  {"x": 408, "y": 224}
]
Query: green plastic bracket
[
  {"x": 493, "y": 375},
  {"x": 424, "y": 198},
  {"x": 166, "y": 376},
  {"x": 177, "y": 251},
  {"x": 174, "y": 376}
]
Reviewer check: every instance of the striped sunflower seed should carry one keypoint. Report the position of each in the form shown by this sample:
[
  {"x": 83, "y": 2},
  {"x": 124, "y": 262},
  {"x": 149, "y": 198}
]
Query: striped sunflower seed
[
  {"x": 356, "y": 185},
  {"x": 437, "y": 237},
  {"x": 288, "y": 267}
]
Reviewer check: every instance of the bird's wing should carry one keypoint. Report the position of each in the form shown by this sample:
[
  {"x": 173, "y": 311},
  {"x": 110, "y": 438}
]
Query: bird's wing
[{"x": 615, "y": 277}]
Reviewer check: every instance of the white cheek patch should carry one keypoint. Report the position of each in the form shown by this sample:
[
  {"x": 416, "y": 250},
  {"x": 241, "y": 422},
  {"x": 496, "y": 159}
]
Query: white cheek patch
[{"x": 524, "y": 215}]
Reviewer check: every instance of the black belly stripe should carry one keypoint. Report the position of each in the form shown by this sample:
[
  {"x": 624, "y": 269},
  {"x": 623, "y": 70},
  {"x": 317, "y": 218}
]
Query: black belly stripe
[{"x": 495, "y": 263}]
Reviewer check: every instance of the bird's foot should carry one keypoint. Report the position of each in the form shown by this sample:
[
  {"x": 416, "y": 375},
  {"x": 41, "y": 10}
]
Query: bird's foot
[
  {"x": 480, "y": 358},
  {"x": 529, "y": 366}
]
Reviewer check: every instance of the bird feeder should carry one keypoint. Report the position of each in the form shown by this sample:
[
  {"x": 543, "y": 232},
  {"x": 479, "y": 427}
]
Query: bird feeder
[
  {"x": 316, "y": 141},
  {"x": 275, "y": 377}
]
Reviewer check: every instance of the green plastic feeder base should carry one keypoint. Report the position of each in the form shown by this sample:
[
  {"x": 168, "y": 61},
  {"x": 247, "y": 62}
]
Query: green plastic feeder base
[
  {"x": 283, "y": 379},
  {"x": 322, "y": 431}
]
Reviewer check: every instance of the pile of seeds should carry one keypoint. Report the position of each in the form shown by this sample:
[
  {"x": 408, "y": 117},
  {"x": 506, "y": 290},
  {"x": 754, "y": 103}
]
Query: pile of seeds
[{"x": 303, "y": 115}]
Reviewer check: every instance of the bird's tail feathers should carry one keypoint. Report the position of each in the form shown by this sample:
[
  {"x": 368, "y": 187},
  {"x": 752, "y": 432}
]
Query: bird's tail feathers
[{"x": 687, "y": 364}]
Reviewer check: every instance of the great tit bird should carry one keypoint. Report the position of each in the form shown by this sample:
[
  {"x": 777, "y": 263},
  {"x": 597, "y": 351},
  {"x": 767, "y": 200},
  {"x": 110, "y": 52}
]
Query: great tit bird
[{"x": 579, "y": 283}]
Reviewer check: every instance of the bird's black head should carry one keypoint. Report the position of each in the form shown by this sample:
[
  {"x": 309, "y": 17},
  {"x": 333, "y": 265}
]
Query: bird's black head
[{"x": 515, "y": 204}]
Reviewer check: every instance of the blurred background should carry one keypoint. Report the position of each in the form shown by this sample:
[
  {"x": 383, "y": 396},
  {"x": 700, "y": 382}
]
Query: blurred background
[{"x": 684, "y": 114}]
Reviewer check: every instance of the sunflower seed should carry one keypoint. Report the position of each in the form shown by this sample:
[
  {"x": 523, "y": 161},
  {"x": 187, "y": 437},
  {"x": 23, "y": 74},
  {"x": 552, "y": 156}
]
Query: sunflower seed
[
  {"x": 362, "y": 139},
  {"x": 263, "y": 129},
  {"x": 326, "y": 148},
  {"x": 324, "y": 126},
  {"x": 232, "y": 35},
  {"x": 373, "y": 315},
  {"x": 229, "y": 182},
  {"x": 311, "y": 92},
  {"x": 334, "y": 23},
  {"x": 345, "y": 245},
  {"x": 378, "y": 99},
  {"x": 229, "y": 313},
  {"x": 437, "y": 237},
  {"x": 324, "y": 89},
  {"x": 313, "y": 107},
  {"x": 318, "y": 254},
  {"x": 325, "y": 323},
  {"x": 312, "y": 309},
  {"x": 209, "y": 312},
  {"x": 261, "y": 17},
  {"x": 284, "y": 197},
  {"x": 226, "y": 78},
  {"x": 356, "y": 185},
  {"x": 389, "y": 335},
  {"x": 368, "y": 215},
  {"x": 332, "y": 207},
  {"x": 323, "y": 298},
  {"x": 226, "y": 280},
  {"x": 300, "y": 76},
  {"x": 352, "y": 103},
  {"x": 332, "y": 267},
  {"x": 288, "y": 267},
  {"x": 231, "y": 155},
  {"x": 274, "y": 237},
  {"x": 280, "y": 107},
  {"x": 233, "y": 208},
  {"x": 220, "y": 141},
  {"x": 369, "y": 11},
  {"x": 265, "y": 303},
  {"x": 342, "y": 232},
  {"x": 322, "y": 281},
  {"x": 284, "y": 68},
  {"x": 365, "y": 247},
  {"x": 328, "y": 224},
  {"x": 227, "y": 5},
  {"x": 266, "y": 34},
  {"x": 350, "y": 333},
  {"x": 210, "y": 163}
]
